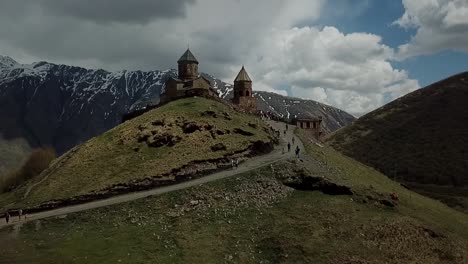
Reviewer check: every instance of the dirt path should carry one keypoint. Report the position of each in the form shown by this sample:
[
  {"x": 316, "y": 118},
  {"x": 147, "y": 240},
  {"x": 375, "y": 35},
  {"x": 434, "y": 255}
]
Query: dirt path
[{"x": 254, "y": 163}]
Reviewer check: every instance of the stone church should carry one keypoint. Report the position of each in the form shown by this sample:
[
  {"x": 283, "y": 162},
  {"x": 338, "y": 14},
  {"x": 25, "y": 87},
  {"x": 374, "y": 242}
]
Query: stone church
[
  {"x": 243, "y": 96},
  {"x": 189, "y": 82}
]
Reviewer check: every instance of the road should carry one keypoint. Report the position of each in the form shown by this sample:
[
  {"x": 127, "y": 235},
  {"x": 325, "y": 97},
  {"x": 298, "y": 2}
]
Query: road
[{"x": 252, "y": 164}]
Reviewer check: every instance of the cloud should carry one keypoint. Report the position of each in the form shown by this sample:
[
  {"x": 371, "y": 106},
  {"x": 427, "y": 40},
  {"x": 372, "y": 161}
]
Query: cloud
[
  {"x": 440, "y": 24},
  {"x": 102, "y": 11},
  {"x": 349, "y": 71}
]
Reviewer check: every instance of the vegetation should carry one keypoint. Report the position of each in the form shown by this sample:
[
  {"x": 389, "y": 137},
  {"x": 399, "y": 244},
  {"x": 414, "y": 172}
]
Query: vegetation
[
  {"x": 420, "y": 138},
  {"x": 13, "y": 153},
  {"x": 182, "y": 137},
  {"x": 36, "y": 163},
  {"x": 254, "y": 218}
]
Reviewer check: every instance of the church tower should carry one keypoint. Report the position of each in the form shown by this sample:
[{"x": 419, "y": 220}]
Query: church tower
[
  {"x": 188, "y": 66},
  {"x": 243, "y": 91}
]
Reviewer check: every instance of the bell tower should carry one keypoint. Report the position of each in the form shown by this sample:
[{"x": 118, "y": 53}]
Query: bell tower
[
  {"x": 188, "y": 66},
  {"x": 243, "y": 91}
]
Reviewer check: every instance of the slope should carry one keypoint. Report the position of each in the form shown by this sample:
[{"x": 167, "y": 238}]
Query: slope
[
  {"x": 62, "y": 106},
  {"x": 257, "y": 218},
  {"x": 420, "y": 138},
  {"x": 178, "y": 141}
]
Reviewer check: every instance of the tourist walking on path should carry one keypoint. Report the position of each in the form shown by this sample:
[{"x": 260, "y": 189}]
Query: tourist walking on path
[
  {"x": 293, "y": 140},
  {"x": 7, "y": 217},
  {"x": 286, "y": 126},
  {"x": 237, "y": 163},
  {"x": 297, "y": 151},
  {"x": 232, "y": 163},
  {"x": 20, "y": 213},
  {"x": 289, "y": 147}
]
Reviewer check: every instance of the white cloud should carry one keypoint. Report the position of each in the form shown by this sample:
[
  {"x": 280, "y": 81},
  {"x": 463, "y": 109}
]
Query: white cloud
[
  {"x": 440, "y": 24},
  {"x": 350, "y": 71}
]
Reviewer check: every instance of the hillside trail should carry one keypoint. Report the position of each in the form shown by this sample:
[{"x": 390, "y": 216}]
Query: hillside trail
[{"x": 251, "y": 164}]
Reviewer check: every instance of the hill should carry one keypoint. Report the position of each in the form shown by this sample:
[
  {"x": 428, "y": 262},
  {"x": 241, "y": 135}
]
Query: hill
[
  {"x": 45, "y": 104},
  {"x": 178, "y": 141},
  {"x": 324, "y": 208},
  {"x": 421, "y": 139}
]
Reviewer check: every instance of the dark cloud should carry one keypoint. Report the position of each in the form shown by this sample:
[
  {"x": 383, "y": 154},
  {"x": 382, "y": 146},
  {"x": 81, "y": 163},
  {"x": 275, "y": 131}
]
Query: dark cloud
[{"x": 120, "y": 11}]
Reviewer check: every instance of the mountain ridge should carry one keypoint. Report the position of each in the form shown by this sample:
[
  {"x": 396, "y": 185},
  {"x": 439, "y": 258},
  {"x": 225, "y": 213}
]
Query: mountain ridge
[{"x": 62, "y": 106}]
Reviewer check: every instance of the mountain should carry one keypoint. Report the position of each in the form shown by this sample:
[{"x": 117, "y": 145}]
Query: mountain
[
  {"x": 62, "y": 106},
  {"x": 289, "y": 107},
  {"x": 420, "y": 138}
]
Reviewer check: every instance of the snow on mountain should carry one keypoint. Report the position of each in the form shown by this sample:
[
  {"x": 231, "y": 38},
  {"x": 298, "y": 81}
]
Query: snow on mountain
[{"x": 61, "y": 106}]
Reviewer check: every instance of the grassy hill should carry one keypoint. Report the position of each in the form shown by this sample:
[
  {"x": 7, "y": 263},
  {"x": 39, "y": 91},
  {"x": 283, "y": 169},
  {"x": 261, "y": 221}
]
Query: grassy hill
[
  {"x": 420, "y": 139},
  {"x": 179, "y": 140},
  {"x": 258, "y": 218}
]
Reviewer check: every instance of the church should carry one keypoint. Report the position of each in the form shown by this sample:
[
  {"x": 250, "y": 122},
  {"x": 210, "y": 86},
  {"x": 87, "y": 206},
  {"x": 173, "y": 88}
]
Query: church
[{"x": 190, "y": 83}]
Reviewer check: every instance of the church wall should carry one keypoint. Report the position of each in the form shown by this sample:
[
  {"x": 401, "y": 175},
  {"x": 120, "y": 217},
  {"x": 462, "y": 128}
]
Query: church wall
[{"x": 188, "y": 71}]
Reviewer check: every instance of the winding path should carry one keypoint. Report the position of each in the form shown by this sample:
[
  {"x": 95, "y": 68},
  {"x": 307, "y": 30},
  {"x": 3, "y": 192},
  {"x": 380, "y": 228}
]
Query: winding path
[{"x": 254, "y": 163}]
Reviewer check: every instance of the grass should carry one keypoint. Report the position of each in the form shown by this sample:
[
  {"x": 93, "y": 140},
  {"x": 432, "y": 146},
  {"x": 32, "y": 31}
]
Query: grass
[
  {"x": 116, "y": 157},
  {"x": 420, "y": 138},
  {"x": 365, "y": 179},
  {"x": 253, "y": 218}
]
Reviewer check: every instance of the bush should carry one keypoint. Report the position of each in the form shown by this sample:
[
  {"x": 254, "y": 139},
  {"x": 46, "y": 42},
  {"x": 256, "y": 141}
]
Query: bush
[{"x": 36, "y": 163}]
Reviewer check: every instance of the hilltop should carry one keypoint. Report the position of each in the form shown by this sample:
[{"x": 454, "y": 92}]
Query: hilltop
[
  {"x": 420, "y": 139},
  {"x": 45, "y": 104},
  {"x": 178, "y": 141},
  {"x": 322, "y": 208}
]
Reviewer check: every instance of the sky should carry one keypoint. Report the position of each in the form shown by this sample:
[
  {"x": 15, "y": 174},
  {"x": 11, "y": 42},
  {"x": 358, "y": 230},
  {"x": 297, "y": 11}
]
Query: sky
[{"x": 356, "y": 55}]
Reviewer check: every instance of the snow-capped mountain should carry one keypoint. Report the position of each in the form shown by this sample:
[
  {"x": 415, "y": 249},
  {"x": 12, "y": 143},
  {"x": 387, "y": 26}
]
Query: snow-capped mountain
[
  {"x": 290, "y": 107},
  {"x": 62, "y": 106}
]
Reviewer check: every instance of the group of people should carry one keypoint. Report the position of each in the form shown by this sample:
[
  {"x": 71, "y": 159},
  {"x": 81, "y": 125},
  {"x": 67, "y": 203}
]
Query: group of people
[
  {"x": 8, "y": 216},
  {"x": 270, "y": 116},
  {"x": 298, "y": 150},
  {"x": 234, "y": 163}
]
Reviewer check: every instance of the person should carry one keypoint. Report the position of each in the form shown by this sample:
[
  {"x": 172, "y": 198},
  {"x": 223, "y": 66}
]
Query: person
[
  {"x": 297, "y": 151},
  {"x": 285, "y": 132},
  {"x": 293, "y": 140},
  {"x": 237, "y": 163},
  {"x": 20, "y": 213},
  {"x": 289, "y": 147},
  {"x": 286, "y": 126},
  {"x": 232, "y": 163},
  {"x": 7, "y": 217}
]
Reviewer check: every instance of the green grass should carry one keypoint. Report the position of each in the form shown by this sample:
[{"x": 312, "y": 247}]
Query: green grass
[
  {"x": 365, "y": 179},
  {"x": 111, "y": 158},
  {"x": 420, "y": 138},
  {"x": 254, "y": 218},
  {"x": 251, "y": 218}
]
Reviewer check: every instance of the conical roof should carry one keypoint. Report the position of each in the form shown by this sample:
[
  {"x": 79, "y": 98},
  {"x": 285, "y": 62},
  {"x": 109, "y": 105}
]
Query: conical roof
[
  {"x": 187, "y": 57},
  {"x": 242, "y": 76}
]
